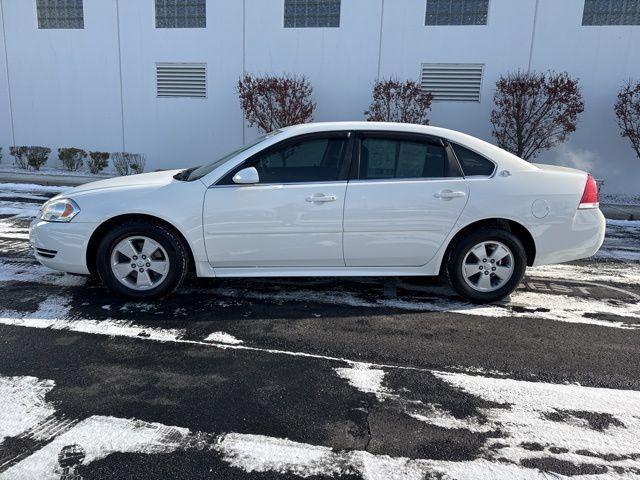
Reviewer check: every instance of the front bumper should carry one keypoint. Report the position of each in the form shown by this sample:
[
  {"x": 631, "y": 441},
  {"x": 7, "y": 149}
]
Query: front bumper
[{"x": 61, "y": 246}]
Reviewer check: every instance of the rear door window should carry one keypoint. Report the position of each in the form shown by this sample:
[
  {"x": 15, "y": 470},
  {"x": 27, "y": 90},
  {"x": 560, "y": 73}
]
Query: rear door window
[{"x": 389, "y": 158}]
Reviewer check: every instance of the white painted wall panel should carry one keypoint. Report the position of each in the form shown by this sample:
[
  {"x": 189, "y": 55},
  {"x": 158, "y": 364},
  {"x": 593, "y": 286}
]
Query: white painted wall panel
[
  {"x": 64, "y": 83},
  {"x": 181, "y": 131},
  {"x": 6, "y": 137},
  {"x": 501, "y": 45},
  {"x": 341, "y": 63},
  {"x": 602, "y": 57}
]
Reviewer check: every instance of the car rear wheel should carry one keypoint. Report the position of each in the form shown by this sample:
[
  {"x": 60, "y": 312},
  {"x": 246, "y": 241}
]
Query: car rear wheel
[
  {"x": 141, "y": 259},
  {"x": 487, "y": 265}
]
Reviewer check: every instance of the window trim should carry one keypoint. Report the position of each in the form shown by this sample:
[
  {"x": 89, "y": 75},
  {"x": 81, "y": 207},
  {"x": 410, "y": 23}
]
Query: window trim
[
  {"x": 225, "y": 180},
  {"x": 37, "y": 22},
  {"x": 284, "y": 21},
  {"x": 154, "y": 19},
  {"x": 486, "y": 24},
  {"x": 354, "y": 174},
  {"x": 472, "y": 177}
]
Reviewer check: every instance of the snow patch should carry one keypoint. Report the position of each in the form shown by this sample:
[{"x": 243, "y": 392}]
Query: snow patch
[
  {"x": 257, "y": 453},
  {"x": 605, "y": 272},
  {"x": 32, "y": 187},
  {"x": 364, "y": 378},
  {"x": 53, "y": 313},
  {"x": 36, "y": 273},
  {"x": 553, "y": 415},
  {"x": 99, "y": 437},
  {"x": 222, "y": 337},
  {"x": 21, "y": 211},
  {"x": 23, "y": 404},
  {"x": 561, "y": 308},
  {"x": 9, "y": 231}
]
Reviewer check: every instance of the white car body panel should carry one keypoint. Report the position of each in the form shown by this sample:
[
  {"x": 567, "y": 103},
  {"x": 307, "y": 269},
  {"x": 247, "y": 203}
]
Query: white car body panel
[
  {"x": 401, "y": 229},
  {"x": 274, "y": 225},
  {"x": 399, "y": 223}
]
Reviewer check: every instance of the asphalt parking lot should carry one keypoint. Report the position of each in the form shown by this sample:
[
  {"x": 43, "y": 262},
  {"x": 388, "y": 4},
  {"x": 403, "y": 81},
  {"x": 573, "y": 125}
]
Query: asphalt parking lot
[{"x": 353, "y": 378}]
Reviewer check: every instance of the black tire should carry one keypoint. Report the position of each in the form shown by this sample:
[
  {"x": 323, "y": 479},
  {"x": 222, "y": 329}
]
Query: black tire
[
  {"x": 172, "y": 244},
  {"x": 464, "y": 245}
]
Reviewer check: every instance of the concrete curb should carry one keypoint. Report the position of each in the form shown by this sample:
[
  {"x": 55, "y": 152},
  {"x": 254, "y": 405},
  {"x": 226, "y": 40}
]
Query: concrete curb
[
  {"x": 53, "y": 179},
  {"x": 615, "y": 211}
]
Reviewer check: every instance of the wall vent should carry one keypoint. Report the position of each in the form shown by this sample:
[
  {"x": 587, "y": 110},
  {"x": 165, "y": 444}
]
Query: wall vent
[
  {"x": 453, "y": 82},
  {"x": 181, "y": 80}
]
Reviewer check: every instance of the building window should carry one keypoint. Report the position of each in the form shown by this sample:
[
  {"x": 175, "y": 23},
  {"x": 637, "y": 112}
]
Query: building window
[
  {"x": 611, "y": 12},
  {"x": 60, "y": 13},
  {"x": 457, "y": 12},
  {"x": 311, "y": 13},
  {"x": 453, "y": 82},
  {"x": 181, "y": 13},
  {"x": 181, "y": 80}
]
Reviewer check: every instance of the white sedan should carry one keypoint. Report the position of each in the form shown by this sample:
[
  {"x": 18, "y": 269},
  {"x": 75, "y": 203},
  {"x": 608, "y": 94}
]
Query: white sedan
[{"x": 329, "y": 199}]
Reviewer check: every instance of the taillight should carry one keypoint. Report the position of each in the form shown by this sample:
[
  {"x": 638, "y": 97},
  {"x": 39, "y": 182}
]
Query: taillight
[{"x": 590, "y": 197}]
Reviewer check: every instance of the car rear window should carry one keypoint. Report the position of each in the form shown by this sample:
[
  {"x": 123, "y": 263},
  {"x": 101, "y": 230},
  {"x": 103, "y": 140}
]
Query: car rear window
[{"x": 473, "y": 164}]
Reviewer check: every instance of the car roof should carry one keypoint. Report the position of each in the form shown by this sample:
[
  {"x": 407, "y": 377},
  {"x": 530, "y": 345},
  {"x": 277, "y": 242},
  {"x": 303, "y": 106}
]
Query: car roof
[{"x": 498, "y": 155}]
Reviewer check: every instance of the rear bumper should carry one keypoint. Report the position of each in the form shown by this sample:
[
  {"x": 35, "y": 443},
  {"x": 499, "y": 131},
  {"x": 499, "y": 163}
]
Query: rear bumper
[
  {"x": 61, "y": 246},
  {"x": 564, "y": 242}
]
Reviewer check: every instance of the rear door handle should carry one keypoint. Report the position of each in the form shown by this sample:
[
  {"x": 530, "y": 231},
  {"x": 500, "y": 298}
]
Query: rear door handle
[
  {"x": 321, "y": 198},
  {"x": 449, "y": 194}
]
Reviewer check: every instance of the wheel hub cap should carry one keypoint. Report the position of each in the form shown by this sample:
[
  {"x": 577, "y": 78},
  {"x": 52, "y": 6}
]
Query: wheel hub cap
[
  {"x": 139, "y": 263},
  {"x": 488, "y": 266}
]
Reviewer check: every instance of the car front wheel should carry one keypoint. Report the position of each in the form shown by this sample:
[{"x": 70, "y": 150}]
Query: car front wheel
[
  {"x": 487, "y": 265},
  {"x": 140, "y": 259}
]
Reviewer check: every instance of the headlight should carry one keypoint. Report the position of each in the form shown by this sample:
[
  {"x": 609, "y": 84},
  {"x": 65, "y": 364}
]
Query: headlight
[{"x": 61, "y": 210}]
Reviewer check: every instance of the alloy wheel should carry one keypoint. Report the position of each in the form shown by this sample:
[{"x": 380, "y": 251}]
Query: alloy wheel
[
  {"x": 488, "y": 266},
  {"x": 140, "y": 263}
]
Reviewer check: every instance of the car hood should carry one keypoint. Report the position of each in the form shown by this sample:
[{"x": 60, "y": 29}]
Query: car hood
[{"x": 129, "y": 181}]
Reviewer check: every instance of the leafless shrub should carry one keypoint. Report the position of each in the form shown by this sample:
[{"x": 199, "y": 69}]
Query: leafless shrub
[
  {"x": 396, "y": 101},
  {"x": 19, "y": 155},
  {"x": 127, "y": 163},
  {"x": 273, "y": 102},
  {"x": 30, "y": 157},
  {"x": 627, "y": 109},
  {"x": 98, "y": 161},
  {"x": 72, "y": 159},
  {"x": 535, "y": 111}
]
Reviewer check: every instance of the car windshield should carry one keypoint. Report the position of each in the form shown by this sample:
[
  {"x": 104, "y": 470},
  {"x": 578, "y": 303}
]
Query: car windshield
[{"x": 196, "y": 173}]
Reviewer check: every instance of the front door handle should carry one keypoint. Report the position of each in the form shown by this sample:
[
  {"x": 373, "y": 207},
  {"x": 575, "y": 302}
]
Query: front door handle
[
  {"x": 321, "y": 198},
  {"x": 449, "y": 194}
]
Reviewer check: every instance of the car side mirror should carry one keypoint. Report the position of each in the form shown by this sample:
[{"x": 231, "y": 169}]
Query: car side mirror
[{"x": 247, "y": 176}]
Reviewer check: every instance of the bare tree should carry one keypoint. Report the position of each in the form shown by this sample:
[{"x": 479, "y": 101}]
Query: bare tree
[
  {"x": 627, "y": 109},
  {"x": 273, "y": 102},
  {"x": 535, "y": 111},
  {"x": 396, "y": 101}
]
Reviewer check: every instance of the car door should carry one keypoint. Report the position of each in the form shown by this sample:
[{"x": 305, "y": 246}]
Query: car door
[
  {"x": 292, "y": 217},
  {"x": 404, "y": 200}
]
